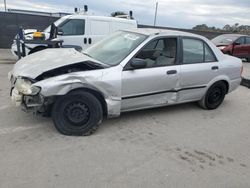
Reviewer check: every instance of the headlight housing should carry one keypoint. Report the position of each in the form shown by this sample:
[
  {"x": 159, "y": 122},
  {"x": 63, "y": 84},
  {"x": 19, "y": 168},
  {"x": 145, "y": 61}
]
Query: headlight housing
[
  {"x": 25, "y": 87},
  {"x": 35, "y": 90}
]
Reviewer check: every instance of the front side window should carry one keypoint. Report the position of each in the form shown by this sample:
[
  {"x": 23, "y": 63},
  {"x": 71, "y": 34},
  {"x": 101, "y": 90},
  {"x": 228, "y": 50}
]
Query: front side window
[
  {"x": 196, "y": 51},
  {"x": 73, "y": 27},
  {"x": 115, "y": 47},
  {"x": 240, "y": 41},
  {"x": 161, "y": 52}
]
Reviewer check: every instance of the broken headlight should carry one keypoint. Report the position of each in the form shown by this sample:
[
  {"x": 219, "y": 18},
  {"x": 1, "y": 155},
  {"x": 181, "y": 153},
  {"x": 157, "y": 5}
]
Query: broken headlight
[
  {"x": 35, "y": 90},
  {"x": 25, "y": 87}
]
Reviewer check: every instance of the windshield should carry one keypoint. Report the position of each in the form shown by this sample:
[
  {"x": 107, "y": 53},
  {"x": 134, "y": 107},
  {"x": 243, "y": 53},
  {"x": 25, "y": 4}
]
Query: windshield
[
  {"x": 114, "y": 48},
  {"x": 57, "y": 23},
  {"x": 225, "y": 39}
]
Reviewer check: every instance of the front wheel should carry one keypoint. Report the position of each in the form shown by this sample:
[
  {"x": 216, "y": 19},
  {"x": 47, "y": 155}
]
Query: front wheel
[
  {"x": 78, "y": 113},
  {"x": 214, "y": 96}
]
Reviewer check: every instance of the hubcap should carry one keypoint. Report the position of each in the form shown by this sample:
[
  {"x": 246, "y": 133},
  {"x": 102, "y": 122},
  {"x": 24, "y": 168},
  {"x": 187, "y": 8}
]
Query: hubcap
[{"x": 77, "y": 113}]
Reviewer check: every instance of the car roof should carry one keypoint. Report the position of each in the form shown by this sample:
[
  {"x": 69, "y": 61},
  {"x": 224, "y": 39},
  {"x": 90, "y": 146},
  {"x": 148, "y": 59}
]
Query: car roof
[{"x": 163, "y": 32}]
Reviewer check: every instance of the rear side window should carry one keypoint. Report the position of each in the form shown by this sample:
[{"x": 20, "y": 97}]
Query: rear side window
[
  {"x": 247, "y": 40},
  {"x": 196, "y": 51},
  {"x": 73, "y": 27},
  {"x": 209, "y": 56}
]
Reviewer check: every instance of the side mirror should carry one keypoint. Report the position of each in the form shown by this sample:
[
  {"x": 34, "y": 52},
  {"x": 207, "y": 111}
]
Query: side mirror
[
  {"x": 137, "y": 63},
  {"x": 60, "y": 31}
]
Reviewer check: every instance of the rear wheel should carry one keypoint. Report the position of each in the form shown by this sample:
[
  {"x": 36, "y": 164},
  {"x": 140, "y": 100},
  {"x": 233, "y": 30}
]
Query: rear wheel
[
  {"x": 214, "y": 96},
  {"x": 78, "y": 113}
]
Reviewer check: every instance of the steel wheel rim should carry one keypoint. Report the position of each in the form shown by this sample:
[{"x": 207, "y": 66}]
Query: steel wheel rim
[
  {"x": 77, "y": 113},
  {"x": 215, "y": 96}
]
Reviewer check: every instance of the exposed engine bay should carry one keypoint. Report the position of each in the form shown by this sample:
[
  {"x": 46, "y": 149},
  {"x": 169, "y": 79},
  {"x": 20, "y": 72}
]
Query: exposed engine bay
[{"x": 77, "y": 67}]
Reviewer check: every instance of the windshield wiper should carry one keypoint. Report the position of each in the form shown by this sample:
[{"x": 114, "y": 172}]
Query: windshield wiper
[
  {"x": 87, "y": 54},
  {"x": 104, "y": 65}
]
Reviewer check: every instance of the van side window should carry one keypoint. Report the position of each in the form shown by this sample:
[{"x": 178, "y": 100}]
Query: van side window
[
  {"x": 73, "y": 27},
  {"x": 196, "y": 51}
]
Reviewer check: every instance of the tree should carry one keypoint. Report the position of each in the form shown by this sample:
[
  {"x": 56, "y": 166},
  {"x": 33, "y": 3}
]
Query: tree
[{"x": 235, "y": 28}]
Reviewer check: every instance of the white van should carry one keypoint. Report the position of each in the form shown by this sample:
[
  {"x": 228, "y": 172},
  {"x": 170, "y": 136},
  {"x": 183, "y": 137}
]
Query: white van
[{"x": 79, "y": 31}]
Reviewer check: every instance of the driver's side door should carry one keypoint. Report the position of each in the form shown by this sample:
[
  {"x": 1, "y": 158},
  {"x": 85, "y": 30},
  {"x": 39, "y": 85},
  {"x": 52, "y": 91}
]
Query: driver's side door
[{"x": 153, "y": 85}]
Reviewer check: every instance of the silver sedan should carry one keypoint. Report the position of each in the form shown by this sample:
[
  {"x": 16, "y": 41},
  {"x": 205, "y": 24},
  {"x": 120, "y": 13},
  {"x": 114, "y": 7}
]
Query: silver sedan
[{"x": 128, "y": 70}]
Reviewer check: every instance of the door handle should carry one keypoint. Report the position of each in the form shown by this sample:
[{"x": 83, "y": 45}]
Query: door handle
[
  {"x": 215, "y": 68},
  {"x": 90, "y": 40},
  {"x": 85, "y": 40},
  {"x": 171, "y": 72}
]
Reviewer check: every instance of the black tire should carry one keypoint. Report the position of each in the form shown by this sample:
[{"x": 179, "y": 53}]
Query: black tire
[
  {"x": 214, "y": 96},
  {"x": 37, "y": 49},
  {"x": 78, "y": 113}
]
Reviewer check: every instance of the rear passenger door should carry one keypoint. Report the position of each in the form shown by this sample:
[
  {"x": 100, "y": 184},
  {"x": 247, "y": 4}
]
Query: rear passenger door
[
  {"x": 246, "y": 48},
  {"x": 198, "y": 67}
]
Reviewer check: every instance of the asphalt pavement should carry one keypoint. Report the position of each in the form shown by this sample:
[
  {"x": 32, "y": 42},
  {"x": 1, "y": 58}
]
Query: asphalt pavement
[{"x": 177, "y": 146}]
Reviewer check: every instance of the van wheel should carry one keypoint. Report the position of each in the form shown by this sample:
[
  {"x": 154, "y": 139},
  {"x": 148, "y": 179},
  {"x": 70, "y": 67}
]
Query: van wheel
[
  {"x": 214, "y": 96},
  {"x": 78, "y": 113}
]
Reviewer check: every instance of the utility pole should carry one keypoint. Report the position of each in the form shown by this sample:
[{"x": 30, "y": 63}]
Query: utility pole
[
  {"x": 5, "y": 6},
  {"x": 156, "y": 10}
]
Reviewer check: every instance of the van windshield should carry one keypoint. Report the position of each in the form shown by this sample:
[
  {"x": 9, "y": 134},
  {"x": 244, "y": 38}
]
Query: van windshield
[
  {"x": 57, "y": 23},
  {"x": 116, "y": 47}
]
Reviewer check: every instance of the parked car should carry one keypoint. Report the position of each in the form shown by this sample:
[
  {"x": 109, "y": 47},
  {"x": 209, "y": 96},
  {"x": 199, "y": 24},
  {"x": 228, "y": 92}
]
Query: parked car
[
  {"x": 234, "y": 44},
  {"x": 78, "y": 31},
  {"x": 128, "y": 70}
]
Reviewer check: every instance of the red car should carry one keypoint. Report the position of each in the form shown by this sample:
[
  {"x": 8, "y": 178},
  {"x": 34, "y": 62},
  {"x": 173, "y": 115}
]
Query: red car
[{"x": 234, "y": 44}]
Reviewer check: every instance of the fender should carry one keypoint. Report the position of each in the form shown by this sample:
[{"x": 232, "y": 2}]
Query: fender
[
  {"x": 217, "y": 79},
  {"x": 62, "y": 85}
]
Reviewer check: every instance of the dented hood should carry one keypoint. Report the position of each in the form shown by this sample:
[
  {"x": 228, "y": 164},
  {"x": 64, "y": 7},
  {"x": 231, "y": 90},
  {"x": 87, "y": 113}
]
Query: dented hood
[{"x": 35, "y": 64}]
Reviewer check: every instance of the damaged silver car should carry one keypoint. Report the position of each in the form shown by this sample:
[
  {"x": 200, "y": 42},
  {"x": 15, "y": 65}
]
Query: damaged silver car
[{"x": 128, "y": 70}]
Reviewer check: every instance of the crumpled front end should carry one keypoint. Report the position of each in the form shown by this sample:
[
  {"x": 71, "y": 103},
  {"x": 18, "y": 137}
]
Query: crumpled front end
[
  {"x": 39, "y": 94},
  {"x": 24, "y": 94}
]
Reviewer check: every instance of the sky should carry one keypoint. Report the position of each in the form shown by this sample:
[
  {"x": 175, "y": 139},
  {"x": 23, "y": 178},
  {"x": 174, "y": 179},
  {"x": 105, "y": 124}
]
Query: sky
[{"x": 171, "y": 13}]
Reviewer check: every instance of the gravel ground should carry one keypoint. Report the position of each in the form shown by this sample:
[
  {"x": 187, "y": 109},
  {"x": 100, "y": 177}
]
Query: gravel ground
[{"x": 178, "y": 146}]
